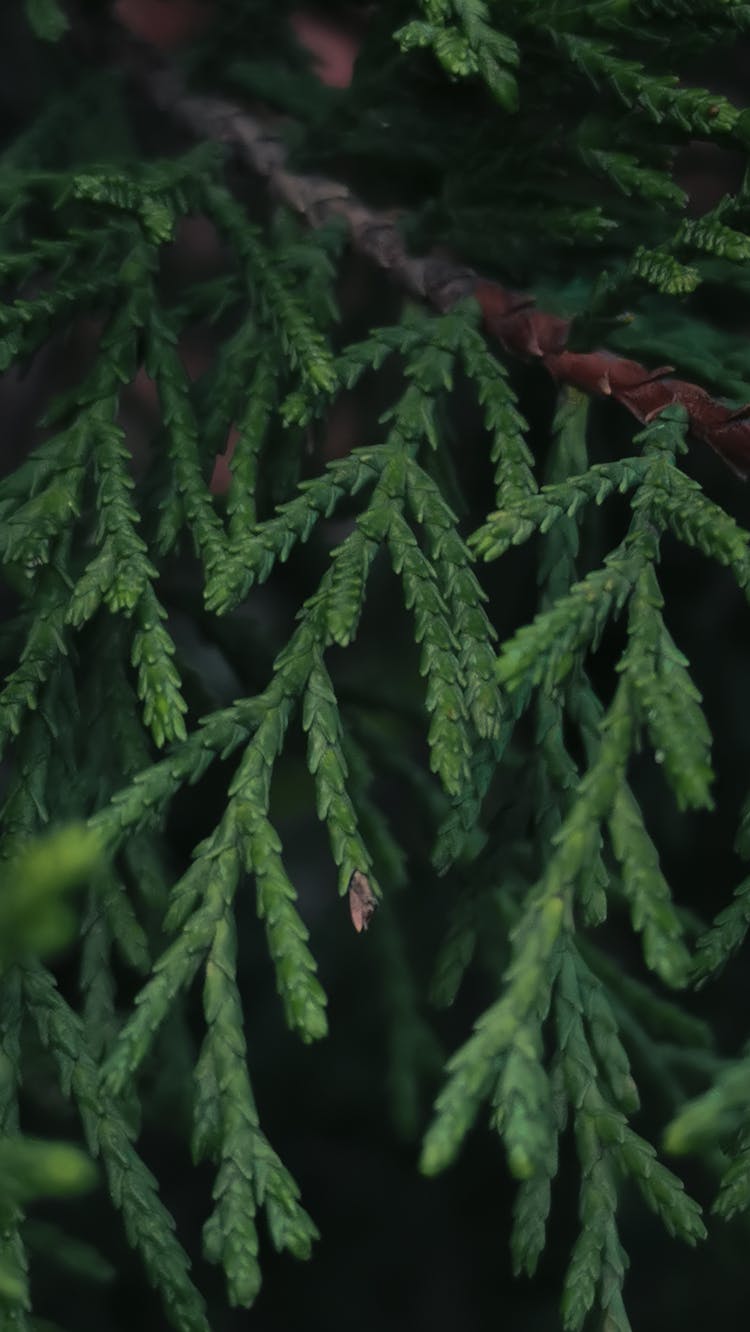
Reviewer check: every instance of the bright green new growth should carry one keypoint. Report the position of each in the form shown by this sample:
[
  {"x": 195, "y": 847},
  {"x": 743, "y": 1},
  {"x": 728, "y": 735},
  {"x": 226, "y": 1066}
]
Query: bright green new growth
[
  {"x": 35, "y": 918},
  {"x": 519, "y": 761}
]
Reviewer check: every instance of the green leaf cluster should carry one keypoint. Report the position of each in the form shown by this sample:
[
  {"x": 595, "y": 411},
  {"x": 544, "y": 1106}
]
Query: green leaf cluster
[{"x": 449, "y": 640}]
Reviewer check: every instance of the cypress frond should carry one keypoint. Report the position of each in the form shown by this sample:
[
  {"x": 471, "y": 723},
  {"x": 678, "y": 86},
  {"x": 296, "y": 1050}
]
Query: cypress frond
[
  {"x": 148, "y": 1225},
  {"x": 336, "y": 569},
  {"x": 513, "y": 526},
  {"x": 726, "y": 935},
  {"x": 463, "y": 596},
  {"x": 226, "y": 1126},
  {"x": 630, "y": 176},
  {"x": 711, "y": 235},
  {"x": 44, "y": 644},
  {"x": 692, "y": 109},
  {"x": 662, "y": 271},
  {"x": 467, "y": 46},
  {"x": 509, "y": 1025}
]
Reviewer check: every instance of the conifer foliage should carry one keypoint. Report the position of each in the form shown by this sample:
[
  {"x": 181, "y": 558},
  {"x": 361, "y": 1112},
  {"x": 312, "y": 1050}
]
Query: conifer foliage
[{"x": 449, "y": 641}]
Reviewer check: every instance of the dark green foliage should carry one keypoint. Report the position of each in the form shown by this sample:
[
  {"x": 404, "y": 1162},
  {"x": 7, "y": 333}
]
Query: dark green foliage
[{"x": 453, "y": 640}]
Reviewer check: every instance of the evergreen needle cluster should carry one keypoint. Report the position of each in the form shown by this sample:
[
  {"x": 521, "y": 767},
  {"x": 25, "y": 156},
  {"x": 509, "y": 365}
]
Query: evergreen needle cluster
[{"x": 449, "y": 641}]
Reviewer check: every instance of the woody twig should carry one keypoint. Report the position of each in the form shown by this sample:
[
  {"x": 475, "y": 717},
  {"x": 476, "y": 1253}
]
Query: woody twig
[{"x": 510, "y": 316}]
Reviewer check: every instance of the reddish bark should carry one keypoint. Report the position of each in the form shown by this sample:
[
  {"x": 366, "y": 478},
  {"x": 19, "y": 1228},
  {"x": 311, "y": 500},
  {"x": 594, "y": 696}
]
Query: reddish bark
[
  {"x": 527, "y": 332},
  {"x": 511, "y": 317}
]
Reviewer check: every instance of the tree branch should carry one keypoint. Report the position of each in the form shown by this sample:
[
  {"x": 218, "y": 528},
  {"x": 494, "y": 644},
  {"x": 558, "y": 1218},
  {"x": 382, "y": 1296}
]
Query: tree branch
[{"x": 510, "y": 316}]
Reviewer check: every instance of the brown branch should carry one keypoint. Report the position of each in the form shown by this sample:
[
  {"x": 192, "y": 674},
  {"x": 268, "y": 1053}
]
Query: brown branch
[{"x": 509, "y": 316}]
